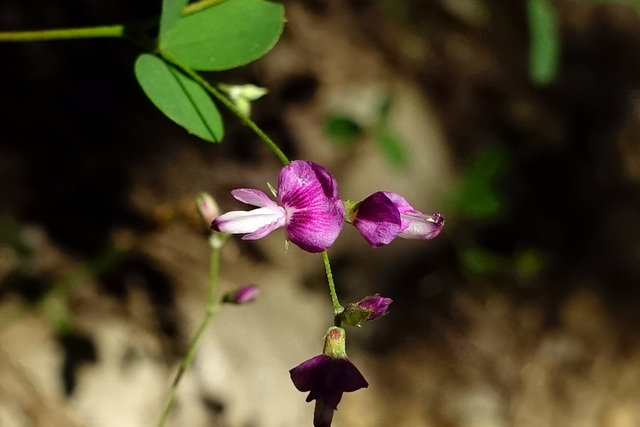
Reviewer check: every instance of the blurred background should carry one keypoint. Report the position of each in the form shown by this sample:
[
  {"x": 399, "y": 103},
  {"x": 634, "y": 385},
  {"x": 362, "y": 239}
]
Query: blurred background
[{"x": 517, "y": 120}]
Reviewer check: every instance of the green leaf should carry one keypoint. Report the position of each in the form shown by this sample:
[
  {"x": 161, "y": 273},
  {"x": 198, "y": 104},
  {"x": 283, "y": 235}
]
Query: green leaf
[
  {"x": 480, "y": 261},
  {"x": 342, "y": 129},
  {"x": 171, "y": 13},
  {"x": 478, "y": 197},
  {"x": 179, "y": 97},
  {"x": 528, "y": 263},
  {"x": 392, "y": 148},
  {"x": 544, "y": 48},
  {"x": 227, "y": 35}
]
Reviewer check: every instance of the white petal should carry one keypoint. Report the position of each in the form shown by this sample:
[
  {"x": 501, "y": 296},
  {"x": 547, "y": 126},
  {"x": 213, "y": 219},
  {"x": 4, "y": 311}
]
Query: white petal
[
  {"x": 422, "y": 227},
  {"x": 242, "y": 222}
]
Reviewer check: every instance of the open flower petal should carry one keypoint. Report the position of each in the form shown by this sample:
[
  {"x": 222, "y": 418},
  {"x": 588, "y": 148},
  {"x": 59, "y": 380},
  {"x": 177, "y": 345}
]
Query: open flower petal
[
  {"x": 378, "y": 219},
  {"x": 259, "y": 222},
  {"x": 315, "y": 212},
  {"x": 415, "y": 224},
  {"x": 403, "y": 208},
  {"x": 422, "y": 227},
  {"x": 253, "y": 197},
  {"x": 327, "y": 377},
  {"x": 264, "y": 230}
]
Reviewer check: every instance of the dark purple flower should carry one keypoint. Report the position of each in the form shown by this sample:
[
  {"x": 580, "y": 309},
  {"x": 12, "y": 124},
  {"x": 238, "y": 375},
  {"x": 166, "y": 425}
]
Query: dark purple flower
[
  {"x": 327, "y": 376},
  {"x": 383, "y": 216},
  {"x": 243, "y": 295},
  {"x": 377, "y": 304},
  {"x": 310, "y": 209}
]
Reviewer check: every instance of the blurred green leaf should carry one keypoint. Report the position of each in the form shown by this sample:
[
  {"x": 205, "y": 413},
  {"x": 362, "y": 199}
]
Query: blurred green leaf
[
  {"x": 58, "y": 314},
  {"x": 544, "y": 48},
  {"x": 227, "y": 35},
  {"x": 528, "y": 263},
  {"x": 480, "y": 261},
  {"x": 392, "y": 147},
  {"x": 342, "y": 129},
  {"x": 179, "y": 97},
  {"x": 477, "y": 198},
  {"x": 171, "y": 12}
]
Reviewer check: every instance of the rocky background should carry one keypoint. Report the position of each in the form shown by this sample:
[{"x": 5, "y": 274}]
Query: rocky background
[{"x": 523, "y": 312}]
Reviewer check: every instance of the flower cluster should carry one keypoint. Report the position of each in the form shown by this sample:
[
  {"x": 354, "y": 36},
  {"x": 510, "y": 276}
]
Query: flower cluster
[{"x": 312, "y": 212}]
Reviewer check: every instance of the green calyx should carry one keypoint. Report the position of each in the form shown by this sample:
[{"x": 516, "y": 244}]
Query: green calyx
[
  {"x": 335, "y": 343},
  {"x": 351, "y": 210},
  {"x": 355, "y": 315}
]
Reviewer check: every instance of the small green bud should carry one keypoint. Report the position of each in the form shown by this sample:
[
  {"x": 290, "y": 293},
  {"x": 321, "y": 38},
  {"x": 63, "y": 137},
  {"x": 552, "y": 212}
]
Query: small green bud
[{"x": 242, "y": 95}]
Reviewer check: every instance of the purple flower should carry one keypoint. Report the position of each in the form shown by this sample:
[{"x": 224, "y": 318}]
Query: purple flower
[
  {"x": 383, "y": 216},
  {"x": 327, "y": 376},
  {"x": 243, "y": 295},
  {"x": 310, "y": 209},
  {"x": 377, "y": 304}
]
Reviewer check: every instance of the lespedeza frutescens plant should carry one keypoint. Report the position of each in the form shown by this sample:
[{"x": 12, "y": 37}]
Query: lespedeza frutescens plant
[{"x": 214, "y": 35}]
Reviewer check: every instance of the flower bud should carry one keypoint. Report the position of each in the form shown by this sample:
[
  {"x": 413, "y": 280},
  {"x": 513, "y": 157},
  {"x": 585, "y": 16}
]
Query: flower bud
[
  {"x": 242, "y": 295},
  {"x": 378, "y": 305},
  {"x": 207, "y": 207},
  {"x": 368, "y": 309},
  {"x": 248, "y": 91},
  {"x": 242, "y": 95}
]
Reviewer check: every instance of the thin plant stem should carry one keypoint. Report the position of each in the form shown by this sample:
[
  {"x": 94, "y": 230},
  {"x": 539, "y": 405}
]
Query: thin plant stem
[
  {"x": 230, "y": 105},
  {"x": 212, "y": 308},
  {"x": 64, "y": 34},
  {"x": 337, "y": 308},
  {"x": 103, "y": 31}
]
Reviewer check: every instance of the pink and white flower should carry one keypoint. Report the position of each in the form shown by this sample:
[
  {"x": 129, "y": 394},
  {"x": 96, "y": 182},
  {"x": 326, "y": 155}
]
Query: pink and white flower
[{"x": 309, "y": 208}]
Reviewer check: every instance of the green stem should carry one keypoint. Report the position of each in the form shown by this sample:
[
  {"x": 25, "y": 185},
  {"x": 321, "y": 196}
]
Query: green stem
[
  {"x": 63, "y": 34},
  {"x": 230, "y": 105},
  {"x": 337, "y": 308},
  {"x": 118, "y": 30},
  {"x": 212, "y": 308}
]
